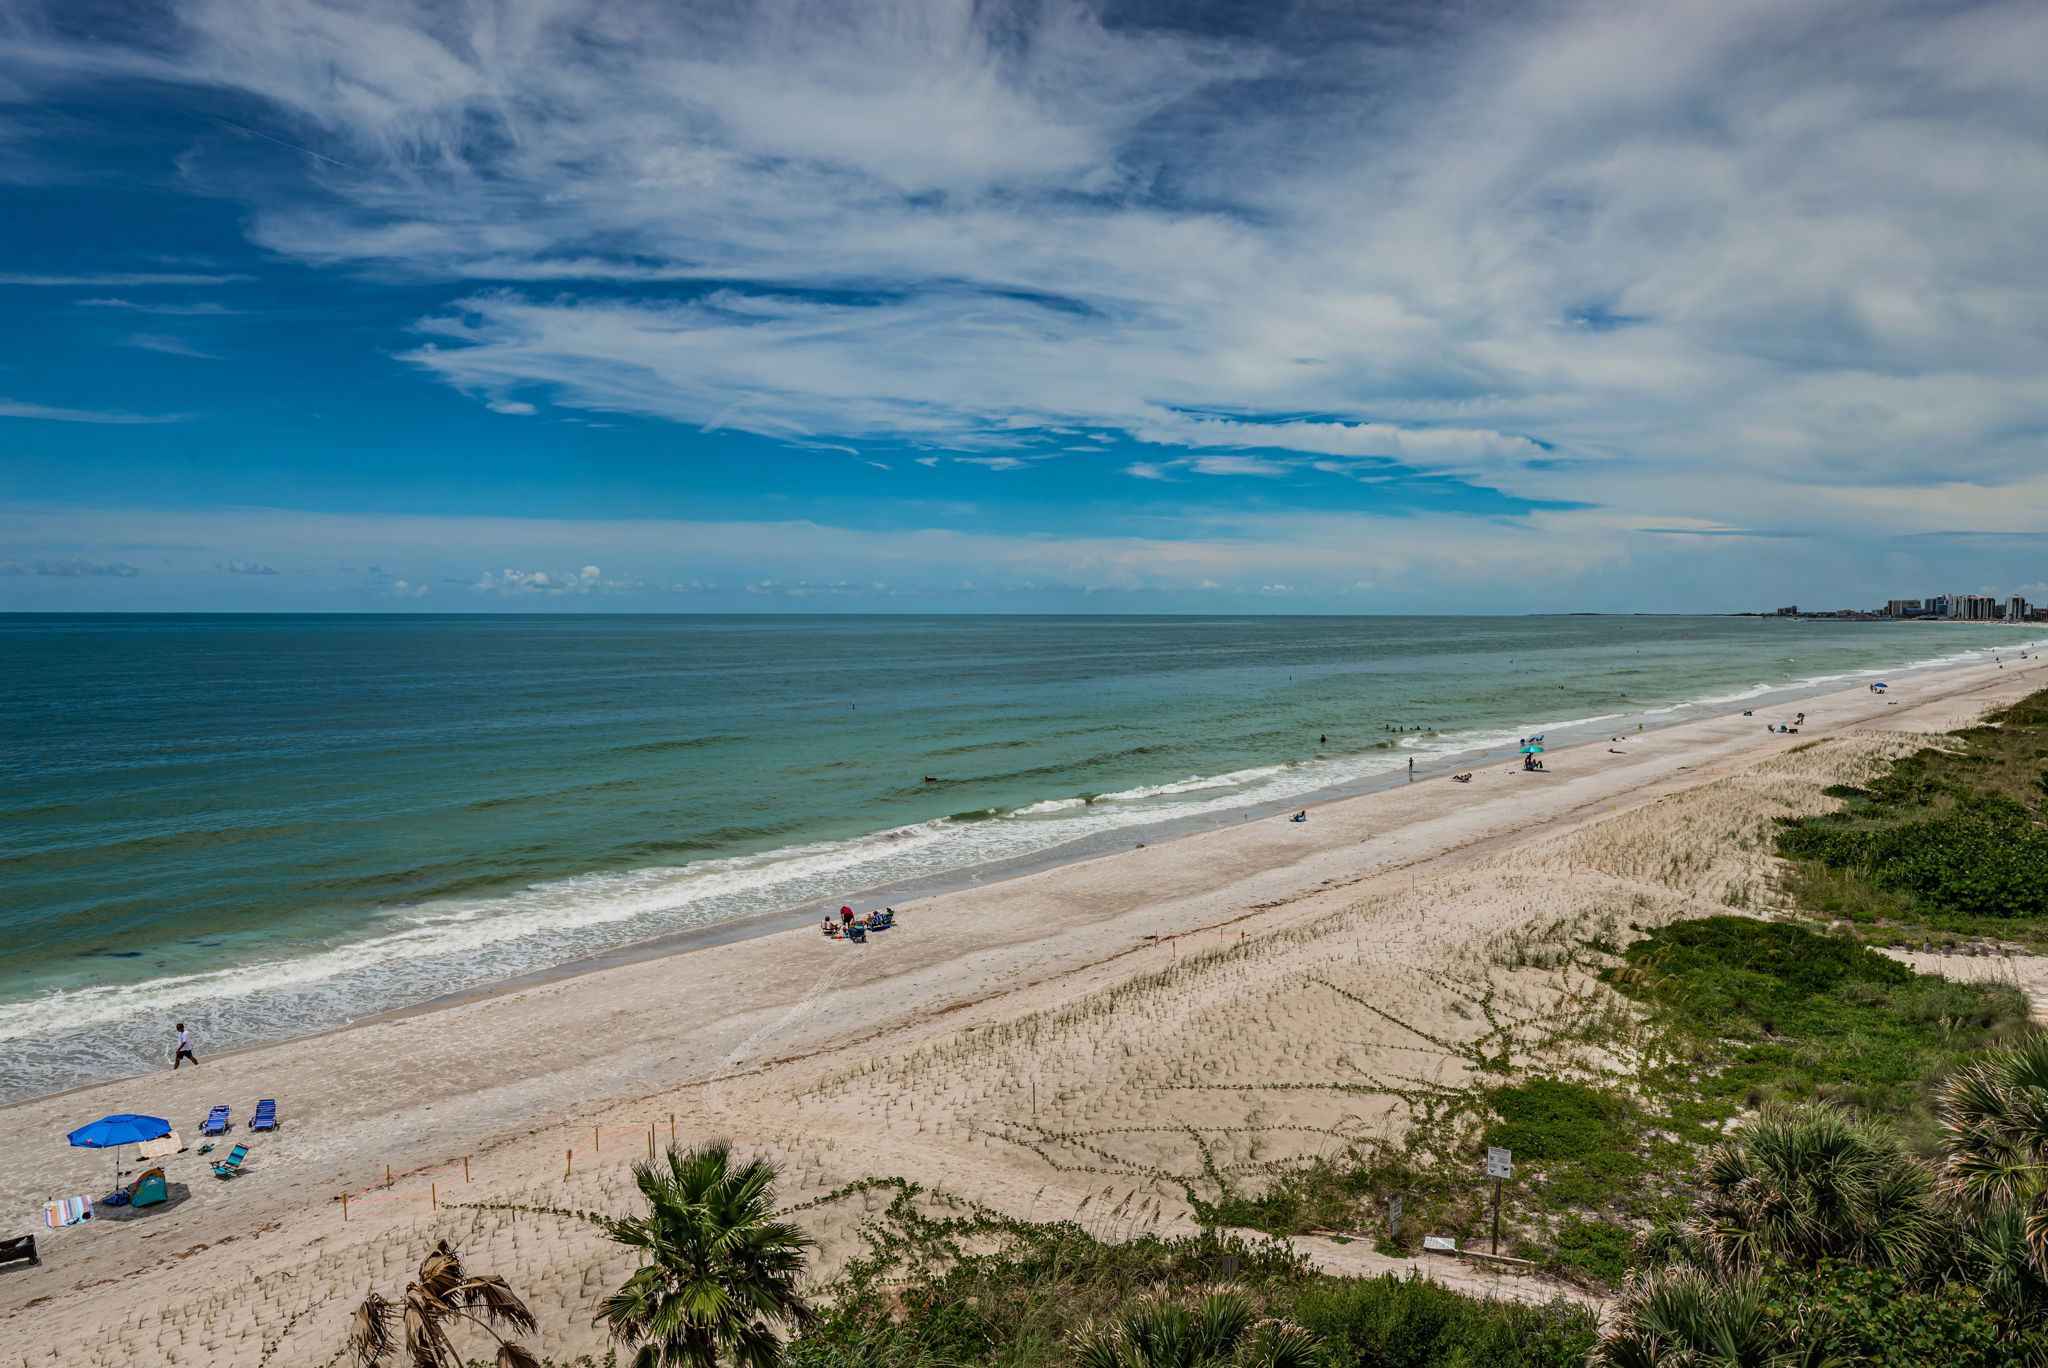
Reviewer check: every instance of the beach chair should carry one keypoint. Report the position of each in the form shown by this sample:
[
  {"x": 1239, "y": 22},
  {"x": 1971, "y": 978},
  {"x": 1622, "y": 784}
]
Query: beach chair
[
  {"x": 266, "y": 1115},
  {"x": 19, "y": 1249},
  {"x": 216, "y": 1122},
  {"x": 230, "y": 1166}
]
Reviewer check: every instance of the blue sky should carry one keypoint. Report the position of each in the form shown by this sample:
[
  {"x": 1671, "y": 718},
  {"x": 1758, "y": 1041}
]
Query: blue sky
[{"x": 532, "y": 305}]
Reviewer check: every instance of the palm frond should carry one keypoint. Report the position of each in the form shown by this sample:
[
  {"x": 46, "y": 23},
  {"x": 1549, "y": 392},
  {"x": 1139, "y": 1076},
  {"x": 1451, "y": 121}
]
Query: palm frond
[{"x": 369, "y": 1334}]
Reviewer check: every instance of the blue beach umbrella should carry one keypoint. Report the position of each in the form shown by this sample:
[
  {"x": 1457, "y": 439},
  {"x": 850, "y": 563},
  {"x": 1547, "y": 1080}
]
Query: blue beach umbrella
[
  {"x": 112, "y": 1132},
  {"x": 1532, "y": 750}
]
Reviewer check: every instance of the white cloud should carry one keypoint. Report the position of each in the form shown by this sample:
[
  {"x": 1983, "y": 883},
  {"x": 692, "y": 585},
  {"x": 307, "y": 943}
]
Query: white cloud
[
  {"x": 1716, "y": 261},
  {"x": 242, "y": 567},
  {"x": 588, "y": 580}
]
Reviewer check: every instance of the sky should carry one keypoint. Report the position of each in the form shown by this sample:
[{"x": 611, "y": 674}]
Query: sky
[{"x": 928, "y": 306}]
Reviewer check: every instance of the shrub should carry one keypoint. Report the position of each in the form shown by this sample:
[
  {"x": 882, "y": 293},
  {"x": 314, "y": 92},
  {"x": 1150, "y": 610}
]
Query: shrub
[{"x": 1390, "y": 1322}]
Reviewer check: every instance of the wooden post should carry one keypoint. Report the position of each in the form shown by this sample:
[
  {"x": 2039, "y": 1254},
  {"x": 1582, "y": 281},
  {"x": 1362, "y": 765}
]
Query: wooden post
[
  {"x": 434, "y": 1196},
  {"x": 1496, "y": 1215},
  {"x": 650, "y": 1142},
  {"x": 596, "y": 1141},
  {"x": 387, "y": 1177},
  {"x": 569, "y": 1167},
  {"x": 465, "y": 1168},
  {"x": 671, "y": 1129},
  {"x": 344, "y": 1206}
]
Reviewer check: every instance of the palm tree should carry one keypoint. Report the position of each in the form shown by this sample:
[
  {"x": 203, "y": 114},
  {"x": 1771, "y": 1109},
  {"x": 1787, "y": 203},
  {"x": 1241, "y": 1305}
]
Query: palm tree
[
  {"x": 443, "y": 1295},
  {"x": 1996, "y": 1115},
  {"x": 1684, "y": 1318},
  {"x": 721, "y": 1272},
  {"x": 1810, "y": 1184},
  {"x": 1220, "y": 1329}
]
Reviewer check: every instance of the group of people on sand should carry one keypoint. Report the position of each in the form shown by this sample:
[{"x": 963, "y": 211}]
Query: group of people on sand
[{"x": 855, "y": 929}]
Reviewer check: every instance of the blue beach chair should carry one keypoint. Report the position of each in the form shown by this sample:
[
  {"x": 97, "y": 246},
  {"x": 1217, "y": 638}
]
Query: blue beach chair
[
  {"x": 230, "y": 1166},
  {"x": 216, "y": 1122},
  {"x": 266, "y": 1115}
]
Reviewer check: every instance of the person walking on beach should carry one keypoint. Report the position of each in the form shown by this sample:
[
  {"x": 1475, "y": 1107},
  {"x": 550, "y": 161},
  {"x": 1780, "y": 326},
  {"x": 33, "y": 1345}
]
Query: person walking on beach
[{"x": 184, "y": 1049}]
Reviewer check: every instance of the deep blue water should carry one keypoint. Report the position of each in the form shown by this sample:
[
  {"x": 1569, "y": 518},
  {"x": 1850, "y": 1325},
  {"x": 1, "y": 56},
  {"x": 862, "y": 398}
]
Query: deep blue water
[{"x": 270, "y": 825}]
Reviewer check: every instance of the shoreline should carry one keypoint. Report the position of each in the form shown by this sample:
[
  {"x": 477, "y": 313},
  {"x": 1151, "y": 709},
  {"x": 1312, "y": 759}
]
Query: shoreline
[
  {"x": 769, "y": 1039},
  {"x": 1078, "y": 850}
]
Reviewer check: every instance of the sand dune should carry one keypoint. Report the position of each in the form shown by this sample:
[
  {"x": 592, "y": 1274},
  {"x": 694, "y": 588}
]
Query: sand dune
[{"x": 1080, "y": 1042}]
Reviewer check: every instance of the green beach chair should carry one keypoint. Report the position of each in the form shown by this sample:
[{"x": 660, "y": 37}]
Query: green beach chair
[{"x": 230, "y": 1166}]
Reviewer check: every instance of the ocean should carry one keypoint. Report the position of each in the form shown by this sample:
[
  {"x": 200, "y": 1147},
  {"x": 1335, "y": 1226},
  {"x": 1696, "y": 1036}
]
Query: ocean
[{"x": 266, "y": 826}]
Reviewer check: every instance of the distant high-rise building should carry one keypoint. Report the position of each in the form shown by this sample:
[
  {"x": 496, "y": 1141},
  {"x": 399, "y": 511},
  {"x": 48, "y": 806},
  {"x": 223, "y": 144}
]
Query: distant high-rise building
[
  {"x": 1940, "y": 605},
  {"x": 2017, "y": 609},
  {"x": 1792, "y": 611},
  {"x": 1975, "y": 607},
  {"x": 1903, "y": 608}
]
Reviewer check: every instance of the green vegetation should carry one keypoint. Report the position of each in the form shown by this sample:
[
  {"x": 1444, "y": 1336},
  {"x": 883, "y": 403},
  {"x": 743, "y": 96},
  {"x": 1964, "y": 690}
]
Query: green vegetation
[
  {"x": 1750, "y": 1012},
  {"x": 1816, "y": 1239},
  {"x": 721, "y": 1267},
  {"x": 986, "y": 1290},
  {"x": 1949, "y": 842}
]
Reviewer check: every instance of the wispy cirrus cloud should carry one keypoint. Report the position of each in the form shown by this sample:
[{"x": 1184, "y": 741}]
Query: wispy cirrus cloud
[
  {"x": 203, "y": 309},
  {"x": 15, "y": 408},
  {"x": 166, "y": 344},
  {"x": 116, "y": 278}
]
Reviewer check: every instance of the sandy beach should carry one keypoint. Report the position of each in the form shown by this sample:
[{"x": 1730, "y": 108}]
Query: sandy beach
[{"x": 1046, "y": 1045}]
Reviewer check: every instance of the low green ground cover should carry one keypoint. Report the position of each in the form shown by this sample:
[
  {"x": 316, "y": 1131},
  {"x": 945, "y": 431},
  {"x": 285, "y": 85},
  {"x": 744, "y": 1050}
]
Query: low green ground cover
[
  {"x": 1949, "y": 842},
  {"x": 1749, "y": 1012}
]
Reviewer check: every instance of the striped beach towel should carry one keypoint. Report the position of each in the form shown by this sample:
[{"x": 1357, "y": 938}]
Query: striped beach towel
[{"x": 67, "y": 1211}]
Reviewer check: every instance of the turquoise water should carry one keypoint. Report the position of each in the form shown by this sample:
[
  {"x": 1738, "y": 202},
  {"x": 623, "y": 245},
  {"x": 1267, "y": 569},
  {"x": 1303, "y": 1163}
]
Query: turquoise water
[{"x": 272, "y": 825}]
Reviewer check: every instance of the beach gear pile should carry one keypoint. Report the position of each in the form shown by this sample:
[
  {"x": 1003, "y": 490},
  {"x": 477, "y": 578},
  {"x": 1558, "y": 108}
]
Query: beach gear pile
[{"x": 855, "y": 929}]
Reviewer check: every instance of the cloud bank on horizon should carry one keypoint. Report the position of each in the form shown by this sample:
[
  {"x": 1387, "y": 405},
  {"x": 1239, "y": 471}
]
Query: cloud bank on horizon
[{"x": 1401, "y": 305}]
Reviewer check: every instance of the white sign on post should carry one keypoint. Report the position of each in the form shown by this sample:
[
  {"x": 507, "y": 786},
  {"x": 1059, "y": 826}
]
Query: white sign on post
[{"x": 1500, "y": 1163}]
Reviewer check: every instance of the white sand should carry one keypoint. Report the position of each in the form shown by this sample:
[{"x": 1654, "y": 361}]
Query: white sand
[{"x": 1027, "y": 1044}]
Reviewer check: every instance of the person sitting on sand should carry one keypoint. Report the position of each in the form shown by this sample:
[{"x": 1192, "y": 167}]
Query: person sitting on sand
[
  {"x": 1461, "y": 778},
  {"x": 1301, "y": 816}
]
